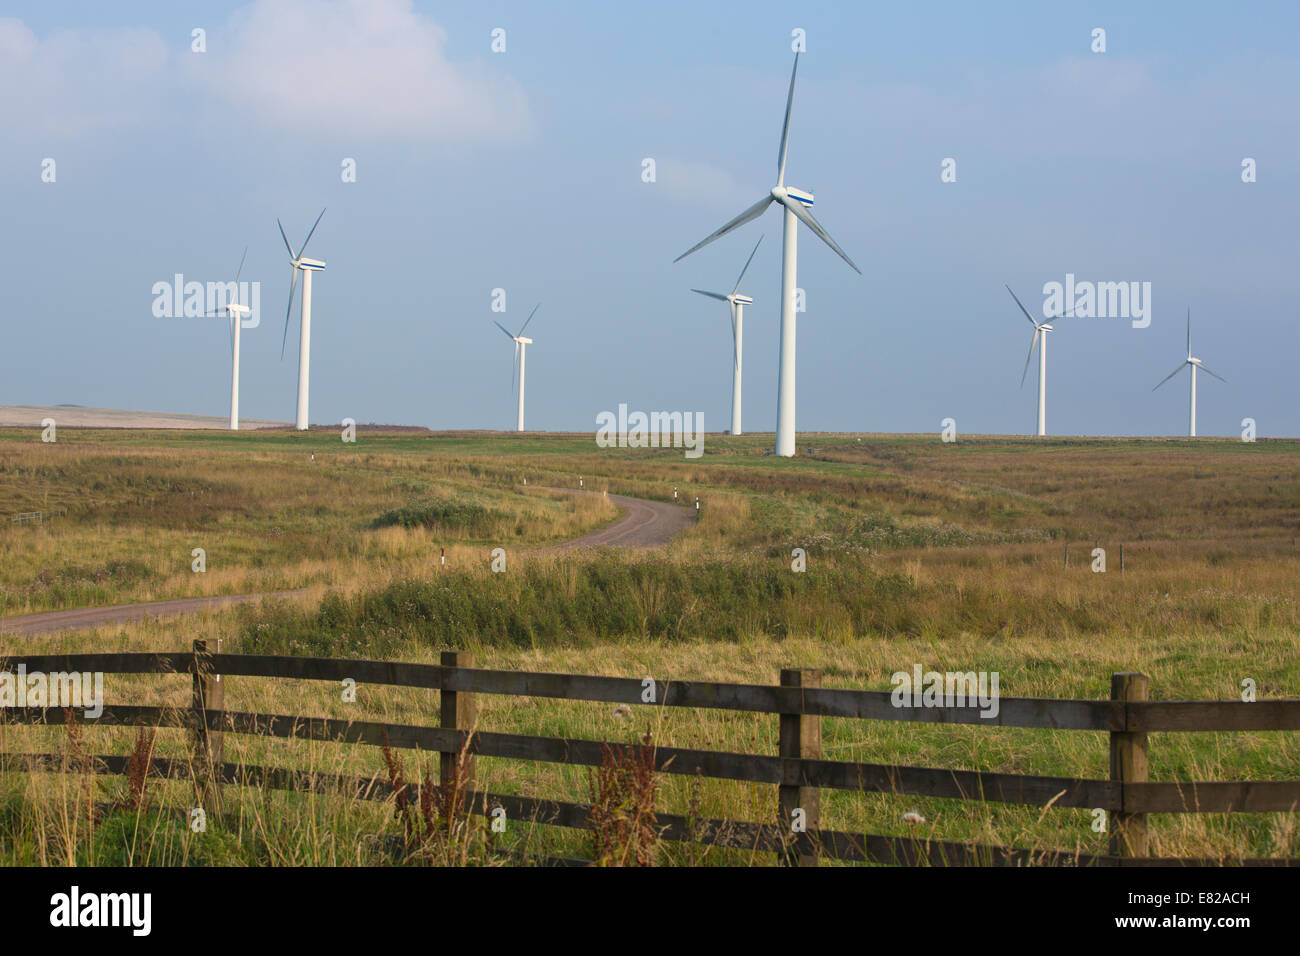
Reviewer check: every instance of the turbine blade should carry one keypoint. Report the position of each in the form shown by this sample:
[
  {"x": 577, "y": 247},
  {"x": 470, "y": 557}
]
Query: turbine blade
[
  {"x": 801, "y": 211},
  {"x": 747, "y": 262},
  {"x": 785, "y": 129},
  {"x": 309, "y": 235},
  {"x": 753, "y": 212},
  {"x": 530, "y": 318},
  {"x": 233, "y": 320},
  {"x": 1189, "y": 330},
  {"x": 1033, "y": 343},
  {"x": 502, "y": 328},
  {"x": 1219, "y": 377},
  {"x": 1171, "y": 375},
  {"x": 293, "y": 284},
  {"x": 240, "y": 270},
  {"x": 288, "y": 248},
  {"x": 711, "y": 295},
  {"x": 1022, "y": 308}
]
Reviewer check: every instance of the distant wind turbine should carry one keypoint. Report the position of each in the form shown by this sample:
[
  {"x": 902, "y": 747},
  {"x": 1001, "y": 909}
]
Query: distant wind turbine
[
  {"x": 738, "y": 303},
  {"x": 306, "y": 266},
  {"x": 1040, "y": 333},
  {"x": 521, "y": 347},
  {"x": 234, "y": 312},
  {"x": 1193, "y": 363},
  {"x": 796, "y": 203}
]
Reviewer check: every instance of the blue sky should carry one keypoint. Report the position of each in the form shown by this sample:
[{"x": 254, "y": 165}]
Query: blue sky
[{"x": 522, "y": 171}]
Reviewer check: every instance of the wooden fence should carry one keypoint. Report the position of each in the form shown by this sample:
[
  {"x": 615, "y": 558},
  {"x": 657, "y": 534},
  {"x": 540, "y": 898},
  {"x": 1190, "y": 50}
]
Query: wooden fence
[{"x": 798, "y": 770}]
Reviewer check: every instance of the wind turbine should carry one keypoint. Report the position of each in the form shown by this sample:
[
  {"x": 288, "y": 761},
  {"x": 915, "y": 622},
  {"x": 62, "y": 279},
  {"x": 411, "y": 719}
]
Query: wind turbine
[
  {"x": 1040, "y": 331},
  {"x": 1194, "y": 363},
  {"x": 306, "y": 266},
  {"x": 738, "y": 303},
  {"x": 235, "y": 313},
  {"x": 796, "y": 203},
  {"x": 521, "y": 347}
]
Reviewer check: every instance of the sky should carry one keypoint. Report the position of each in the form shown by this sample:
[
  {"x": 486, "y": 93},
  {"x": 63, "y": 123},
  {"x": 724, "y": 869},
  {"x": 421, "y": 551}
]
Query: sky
[{"x": 524, "y": 170}]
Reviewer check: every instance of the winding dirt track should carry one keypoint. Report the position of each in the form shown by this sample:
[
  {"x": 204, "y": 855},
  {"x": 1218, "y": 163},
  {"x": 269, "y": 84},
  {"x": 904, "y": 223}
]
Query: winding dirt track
[
  {"x": 643, "y": 525},
  {"x": 53, "y": 622}
]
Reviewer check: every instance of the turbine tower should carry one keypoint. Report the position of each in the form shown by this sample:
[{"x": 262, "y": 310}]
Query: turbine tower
[
  {"x": 796, "y": 203},
  {"x": 521, "y": 348},
  {"x": 738, "y": 303},
  {"x": 235, "y": 313},
  {"x": 1040, "y": 331},
  {"x": 1193, "y": 363},
  {"x": 306, "y": 266}
]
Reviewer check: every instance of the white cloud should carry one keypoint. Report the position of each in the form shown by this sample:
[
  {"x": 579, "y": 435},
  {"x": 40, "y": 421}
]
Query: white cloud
[
  {"x": 74, "y": 82},
  {"x": 360, "y": 68}
]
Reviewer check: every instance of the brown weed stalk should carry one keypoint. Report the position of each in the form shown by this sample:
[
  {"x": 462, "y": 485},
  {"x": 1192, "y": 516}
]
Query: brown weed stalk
[
  {"x": 138, "y": 765},
  {"x": 436, "y": 826},
  {"x": 401, "y": 795},
  {"x": 78, "y": 761},
  {"x": 622, "y": 815}
]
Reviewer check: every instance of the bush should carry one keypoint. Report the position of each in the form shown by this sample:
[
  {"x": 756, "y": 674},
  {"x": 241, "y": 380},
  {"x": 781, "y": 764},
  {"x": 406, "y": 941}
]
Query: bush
[{"x": 444, "y": 515}]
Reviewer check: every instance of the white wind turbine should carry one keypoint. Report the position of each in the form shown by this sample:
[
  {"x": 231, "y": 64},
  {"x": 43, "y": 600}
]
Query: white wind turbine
[
  {"x": 521, "y": 348},
  {"x": 306, "y": 266},
  {"x": 235, "y": 313},
  {"x": 1193, "y": 363},
  {"x": 738, "y": 303},
  {"x": 1040, "y": 332},
  {"x": 796, "y": 203}
]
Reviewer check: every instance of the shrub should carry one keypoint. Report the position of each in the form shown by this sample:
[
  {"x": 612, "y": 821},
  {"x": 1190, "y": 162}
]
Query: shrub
[{"x": 443, "y": 515}]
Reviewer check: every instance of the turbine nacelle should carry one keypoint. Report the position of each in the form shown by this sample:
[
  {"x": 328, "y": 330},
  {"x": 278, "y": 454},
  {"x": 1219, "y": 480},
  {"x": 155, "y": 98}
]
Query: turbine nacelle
[
  {"x": 522, "y": 340},
  {"x": 779, "y": 193},
  {"x": 1044, "y": 328},
  {"x": 740, "y": 300},
  {"x": 308, "y": 265}
]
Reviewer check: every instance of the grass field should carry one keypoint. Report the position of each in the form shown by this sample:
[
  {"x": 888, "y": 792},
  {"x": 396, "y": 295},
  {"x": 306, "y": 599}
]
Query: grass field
[{"x": 952, "y": 556}]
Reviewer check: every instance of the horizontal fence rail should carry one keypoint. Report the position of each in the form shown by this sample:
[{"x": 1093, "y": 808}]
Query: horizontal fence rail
[
  {"x": 798, "y": 770},
  {"x": 1035, "y": 712}
]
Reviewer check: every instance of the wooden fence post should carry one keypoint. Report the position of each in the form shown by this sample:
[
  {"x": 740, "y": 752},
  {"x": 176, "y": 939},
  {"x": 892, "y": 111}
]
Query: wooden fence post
[
  {"x": 801, "y": 738},
  {"x": 1128, "y": 764},
  {"x": 458, "y": 713},
  {"x": 207, "y": 694}
]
